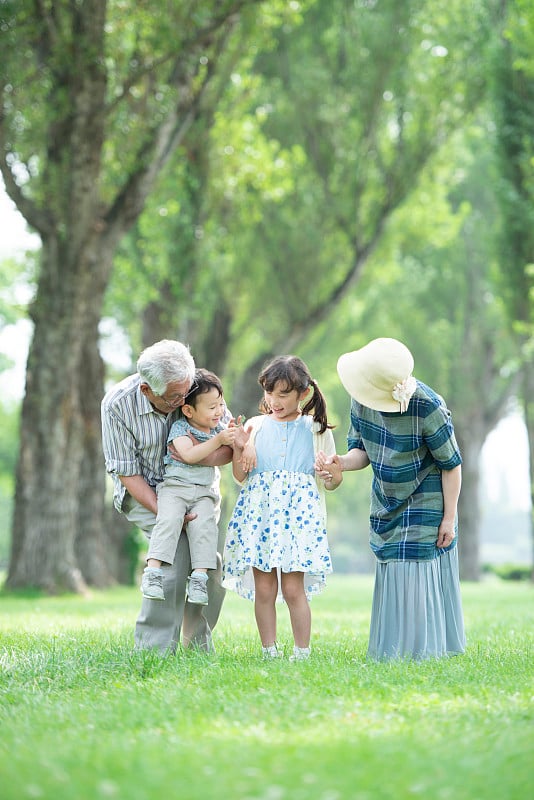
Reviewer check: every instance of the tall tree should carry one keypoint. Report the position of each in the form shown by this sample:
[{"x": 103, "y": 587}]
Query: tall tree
[
  {"x": 347, "y": 111},
  {"x": 96, "y": 96},
  {"x": 514, "y": 105},
  {"x": 338, "y": 121}
]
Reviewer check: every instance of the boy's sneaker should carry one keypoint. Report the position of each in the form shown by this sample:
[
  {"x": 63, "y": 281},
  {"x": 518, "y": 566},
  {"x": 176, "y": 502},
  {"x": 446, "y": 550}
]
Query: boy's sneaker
[
  {"x": 197, "y": 591},
  {"x": 152, "y": 583}
]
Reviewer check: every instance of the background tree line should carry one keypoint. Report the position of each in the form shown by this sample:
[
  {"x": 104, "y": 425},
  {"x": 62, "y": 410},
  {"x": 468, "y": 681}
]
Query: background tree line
[{"x": 256, "y": 178}]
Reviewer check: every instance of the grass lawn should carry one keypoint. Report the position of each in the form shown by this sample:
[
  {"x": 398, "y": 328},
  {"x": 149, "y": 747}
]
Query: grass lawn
[{"x": 83, "y": 717}]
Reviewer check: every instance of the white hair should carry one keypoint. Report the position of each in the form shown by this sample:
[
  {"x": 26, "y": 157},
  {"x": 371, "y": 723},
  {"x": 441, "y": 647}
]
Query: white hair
[{"x": 165, "y": 362}]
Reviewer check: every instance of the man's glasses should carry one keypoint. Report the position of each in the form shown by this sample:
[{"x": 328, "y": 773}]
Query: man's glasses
[{"x": 178, "y": 398}]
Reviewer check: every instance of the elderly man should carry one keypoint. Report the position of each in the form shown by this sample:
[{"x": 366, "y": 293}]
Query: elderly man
[{"x": 137, "y": 414}]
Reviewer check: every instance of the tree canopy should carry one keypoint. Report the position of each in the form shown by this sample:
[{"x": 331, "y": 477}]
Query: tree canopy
[{"x": 256, "y": 178}]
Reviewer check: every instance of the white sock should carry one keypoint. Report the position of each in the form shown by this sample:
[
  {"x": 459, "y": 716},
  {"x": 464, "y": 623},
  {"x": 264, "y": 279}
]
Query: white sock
[
  {"x": 270, "y": 650},
  {"x": 197, "y": 573}
]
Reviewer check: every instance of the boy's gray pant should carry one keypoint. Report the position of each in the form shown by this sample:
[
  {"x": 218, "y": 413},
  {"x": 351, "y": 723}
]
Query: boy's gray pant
[
  {"x": 160, "y": 621},
  {"x": 175, "y": 499}
]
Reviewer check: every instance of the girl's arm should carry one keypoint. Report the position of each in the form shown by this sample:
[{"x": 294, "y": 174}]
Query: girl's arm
[
  {"x": 244, "y": 459},
  {"x": 330, "y": 468},
  {"x": 237, "y": 468},
  {"x": 191, "y": 452},
  {"x": 451, "y": 483}
]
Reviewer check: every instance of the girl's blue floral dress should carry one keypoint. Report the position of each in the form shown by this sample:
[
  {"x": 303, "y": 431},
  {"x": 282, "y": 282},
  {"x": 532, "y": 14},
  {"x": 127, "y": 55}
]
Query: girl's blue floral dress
[{"x": 279, "y": 520}]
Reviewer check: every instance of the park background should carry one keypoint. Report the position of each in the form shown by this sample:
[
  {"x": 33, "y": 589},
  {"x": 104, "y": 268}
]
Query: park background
[{"x": 255, "y": 177}]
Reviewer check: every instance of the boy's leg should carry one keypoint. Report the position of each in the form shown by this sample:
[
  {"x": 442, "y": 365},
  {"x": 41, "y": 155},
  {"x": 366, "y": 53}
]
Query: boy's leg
[
  {"x": 173, "y": 502},
  {"x": 203, "y": 531}
]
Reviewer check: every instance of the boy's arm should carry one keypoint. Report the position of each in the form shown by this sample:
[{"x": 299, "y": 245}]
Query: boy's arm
[{"x": 191, "y": 452}]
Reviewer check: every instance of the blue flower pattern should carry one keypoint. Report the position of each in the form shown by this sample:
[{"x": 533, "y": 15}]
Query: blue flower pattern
[{"x": 278, "y": 522}]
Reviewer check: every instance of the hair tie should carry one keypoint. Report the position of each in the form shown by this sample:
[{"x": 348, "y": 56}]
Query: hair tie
[{"x": 403, "y": 392}]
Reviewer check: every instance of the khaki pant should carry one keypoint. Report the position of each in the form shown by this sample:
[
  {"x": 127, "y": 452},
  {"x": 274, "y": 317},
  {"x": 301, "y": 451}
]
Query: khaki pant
[
  {"x": 159, "y": 622},
  {"x": 175, "y": 499}
]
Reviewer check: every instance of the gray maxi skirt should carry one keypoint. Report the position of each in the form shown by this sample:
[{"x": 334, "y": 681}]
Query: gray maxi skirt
[{"x": 417, "y": 609}]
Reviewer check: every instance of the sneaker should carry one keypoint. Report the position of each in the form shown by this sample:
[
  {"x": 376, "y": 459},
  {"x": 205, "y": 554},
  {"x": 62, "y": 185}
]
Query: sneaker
[
  {"x": 197, "y": 591},
  {"x": 300, "y": 653},
  {"x": 271, "y": 651},
  {"x": 152, "y": 583}
]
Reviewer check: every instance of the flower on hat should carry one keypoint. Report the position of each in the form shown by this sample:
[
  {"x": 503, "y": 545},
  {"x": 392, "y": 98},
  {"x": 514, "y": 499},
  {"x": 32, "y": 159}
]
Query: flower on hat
[{"x": 403, "y": 391}]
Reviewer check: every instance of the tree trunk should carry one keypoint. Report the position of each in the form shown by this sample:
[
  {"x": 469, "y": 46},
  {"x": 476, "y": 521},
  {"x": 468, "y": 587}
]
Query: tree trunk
[
  {"x": 94, "y": 543},
  {"x": 469, "y": 513},
  {"x": 53, "y": 432},
  {"x": 528, "y": 406}
]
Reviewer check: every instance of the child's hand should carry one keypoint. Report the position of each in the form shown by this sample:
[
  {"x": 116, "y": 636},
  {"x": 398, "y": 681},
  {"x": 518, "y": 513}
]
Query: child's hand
[
  {"x": 235, "y": 423},
  {"x": 248, "y": 458},
  {"x": 227, "y": 436},
  {"x": 329, "y": 469},
  {"x": 322, "y": 461},
  {"x": 242, "y": 436}
]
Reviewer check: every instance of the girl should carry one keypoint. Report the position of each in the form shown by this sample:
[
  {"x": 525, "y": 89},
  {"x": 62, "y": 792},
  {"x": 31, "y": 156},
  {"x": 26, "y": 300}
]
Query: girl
[{"x": 276, "y": 535}]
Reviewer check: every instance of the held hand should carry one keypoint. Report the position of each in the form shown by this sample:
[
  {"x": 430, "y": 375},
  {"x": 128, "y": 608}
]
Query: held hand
[
  {"x": 329, "y": 469},
  {"x": 188, "y": 517},
  {"x": 446, "y": 534},
  {"x": 322, "y": 461}
]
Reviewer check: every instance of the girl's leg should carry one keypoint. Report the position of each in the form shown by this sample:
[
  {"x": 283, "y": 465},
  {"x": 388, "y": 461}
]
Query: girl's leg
[
  {"x": 299, "y": 608},
  {"x": 266, "y": 589}
]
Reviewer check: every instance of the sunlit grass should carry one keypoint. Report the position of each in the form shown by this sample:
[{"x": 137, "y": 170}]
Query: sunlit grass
[{"x": 83, "y": 716}]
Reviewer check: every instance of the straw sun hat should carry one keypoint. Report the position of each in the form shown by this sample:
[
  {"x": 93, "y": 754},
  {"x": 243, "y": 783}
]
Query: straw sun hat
[{"x": 379, "y": 375}]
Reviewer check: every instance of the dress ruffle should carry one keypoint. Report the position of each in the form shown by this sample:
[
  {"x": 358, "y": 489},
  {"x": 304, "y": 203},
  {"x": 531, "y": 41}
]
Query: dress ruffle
[{"x": 278, "y": 523}]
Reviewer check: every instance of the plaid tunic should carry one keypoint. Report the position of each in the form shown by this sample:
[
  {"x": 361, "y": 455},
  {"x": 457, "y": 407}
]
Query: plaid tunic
[{"x": 407, "y": 454}]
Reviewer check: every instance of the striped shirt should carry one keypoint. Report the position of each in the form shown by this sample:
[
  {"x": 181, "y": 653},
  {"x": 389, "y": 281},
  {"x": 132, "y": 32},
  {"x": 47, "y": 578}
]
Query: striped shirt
[
  {"x": 407, "y": 454},
  {"x": 134, "y": 435}
]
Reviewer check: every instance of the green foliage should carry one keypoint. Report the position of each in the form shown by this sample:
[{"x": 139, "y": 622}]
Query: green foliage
[
  {"x": 83, "y": 714},
  {"x": 320, "y": 133},
  {"x": 510, "y": 572}
]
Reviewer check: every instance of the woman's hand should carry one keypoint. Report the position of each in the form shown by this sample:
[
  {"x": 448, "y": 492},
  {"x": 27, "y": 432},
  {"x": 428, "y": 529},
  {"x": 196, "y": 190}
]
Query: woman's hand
[
  {"x": 446, "y": 534},
  {"x": 328, "y": 468}
]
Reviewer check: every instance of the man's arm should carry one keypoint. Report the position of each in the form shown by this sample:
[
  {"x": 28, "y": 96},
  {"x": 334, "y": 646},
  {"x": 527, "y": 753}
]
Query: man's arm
[{"x": 141, "y": 491}]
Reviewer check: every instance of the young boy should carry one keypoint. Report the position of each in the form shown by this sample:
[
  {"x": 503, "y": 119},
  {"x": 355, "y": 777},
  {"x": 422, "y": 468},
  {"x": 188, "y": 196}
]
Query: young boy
[{"x": 188, "y": 488}]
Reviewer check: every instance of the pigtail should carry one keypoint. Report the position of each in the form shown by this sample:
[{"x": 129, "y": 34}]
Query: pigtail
[
  {"x": 294, "y": 374},
  {"x": 317, "y": 404}
]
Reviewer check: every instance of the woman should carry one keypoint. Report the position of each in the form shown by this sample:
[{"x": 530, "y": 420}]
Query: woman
[{"x": 404, "y": 430}]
